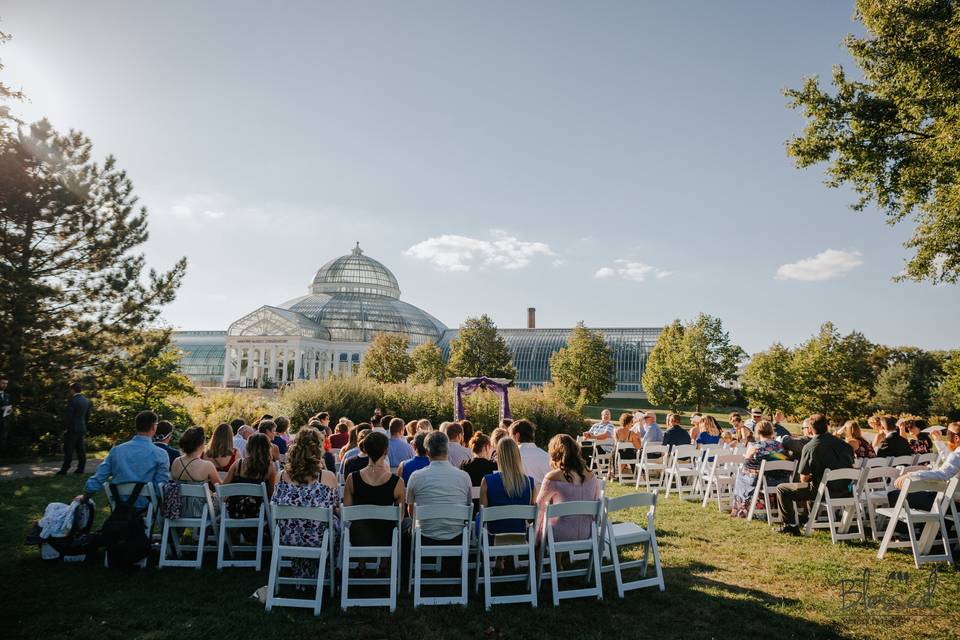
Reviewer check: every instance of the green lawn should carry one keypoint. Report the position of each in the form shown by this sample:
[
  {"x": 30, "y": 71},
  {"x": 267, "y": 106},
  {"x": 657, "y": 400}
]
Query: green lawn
[{"x": 725, "y": 578}]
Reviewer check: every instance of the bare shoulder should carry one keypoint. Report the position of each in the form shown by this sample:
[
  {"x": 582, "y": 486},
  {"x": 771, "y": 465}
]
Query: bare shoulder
[{"x": 554, "y": 475}]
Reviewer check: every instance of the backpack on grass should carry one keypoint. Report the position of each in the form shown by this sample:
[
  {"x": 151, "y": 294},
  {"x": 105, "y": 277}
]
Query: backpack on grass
[{"x": 124, "y": 531}]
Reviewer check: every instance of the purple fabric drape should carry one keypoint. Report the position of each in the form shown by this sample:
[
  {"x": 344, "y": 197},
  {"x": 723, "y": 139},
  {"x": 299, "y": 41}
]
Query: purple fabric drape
[{"x": 467, "y": 387}]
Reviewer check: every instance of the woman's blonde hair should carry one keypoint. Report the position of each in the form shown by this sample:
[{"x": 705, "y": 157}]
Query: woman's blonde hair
[
  {"x": 511, "y": 468},
  {"x": 711, "y": 423},
  {"x": 765, "y": 429},
  {"x": 626, "y": 419},
  {"x": 851, "y": 430},
  {"x": 305, "y": 456},
  {"x": 221, "y": 444}
]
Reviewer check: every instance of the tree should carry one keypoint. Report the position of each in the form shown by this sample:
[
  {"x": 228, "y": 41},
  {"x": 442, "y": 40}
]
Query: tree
[
  {"x": 768, "y": 379},
  {"x": 147, "y": 377},
  {"x": 584, "y": 365},
  {"x": 921, "y": 370},
  {"x": 664, "y": 378},
  {"x": 893, "y": 389},
  {"x": 478, "y": 350},
  {"x": 946, "y": 398},
  {"x": 75, "y": 290},
  {"x": 832, "y": 374},
  {"x": 386, "y": 359},
  {"x": 7, "y": 94},
  {"x": 428, "y": 364},
  {"x": 712, "y": 361},
  {"x": 895, "y": 136}
]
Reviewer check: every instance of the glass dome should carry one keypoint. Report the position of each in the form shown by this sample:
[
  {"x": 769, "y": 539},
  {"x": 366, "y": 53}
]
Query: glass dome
[
  {"x": 355, "y": 273},
  {"x": 357, "y": 317}
]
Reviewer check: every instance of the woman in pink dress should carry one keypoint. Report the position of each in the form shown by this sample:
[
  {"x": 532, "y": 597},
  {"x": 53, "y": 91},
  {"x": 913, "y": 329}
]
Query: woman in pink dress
[{"x": 568, "y": 480}]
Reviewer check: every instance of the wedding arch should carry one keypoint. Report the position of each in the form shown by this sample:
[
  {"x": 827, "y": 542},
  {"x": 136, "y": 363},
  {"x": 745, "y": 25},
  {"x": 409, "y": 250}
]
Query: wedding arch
[{"x": 465, "y": 386}]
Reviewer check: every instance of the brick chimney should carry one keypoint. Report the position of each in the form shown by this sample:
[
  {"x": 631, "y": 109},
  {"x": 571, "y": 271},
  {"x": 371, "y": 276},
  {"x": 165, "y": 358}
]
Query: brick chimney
[{"x": 531, "y": 318}]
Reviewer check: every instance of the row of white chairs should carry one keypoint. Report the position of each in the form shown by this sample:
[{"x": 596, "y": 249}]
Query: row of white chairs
[{"x": 601, "y": 550}]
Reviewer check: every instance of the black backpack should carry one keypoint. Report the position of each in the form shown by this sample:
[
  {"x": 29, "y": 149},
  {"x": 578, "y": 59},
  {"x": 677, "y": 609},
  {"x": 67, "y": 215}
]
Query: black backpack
[{"x": 124, "y": 531}]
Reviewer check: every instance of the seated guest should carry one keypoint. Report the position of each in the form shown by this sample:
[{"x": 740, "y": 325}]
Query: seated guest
[
  {"x": 536, "y": 461},
  {"x": 256, "y": 468},
  {"x": 359, "y": 461},
  {"x": 893, "y": 443},
  {"x": 873, "y": 422},
  {"x": 353, "y": 448},
  {"x": 467, "y": 430},
  {"x": 778, "y": 428},
  {"x": 495, "y": 438},
  {"x": 438, "y": 483},
  {"x": 741, "y": 432},
  {"x": 282, "y": 439},
  {"x": 824, "y": 451},
  {"x": 341, "y": 434},
  {"x": 162, "y": 439},
  {"x": 456, "y": 452},
  {"x": 240, "y": 434},
  {"x": 765, "y": 448},
  {"x": 675, "y": 434},
  {"x": 269, "y": 429},
  {"x": 135, "y": 460},
  {"x": 794, "y": 445},
  {"x": 625, "y": 433},
  {"x": 649, "y": 429},
  {"x": 568, "y": 480},
  {"x": 382, "y": 425},
  {"x": 399, "y": 449},
  {"x": 709, "y": 432},
  {"x": 602, "y": 430},
  {"x": 373, "y": 485},
  {"x": 418, "y": 461},
  {"x": 411, "y": 430},
  {"x": 912, "y": 430},
  {"x": 304, "y": 483},
  {"x": 508, "y": 486},
  {"x": 192, "y": 468},
  {"x": 756, "y": 415},
  {"x": 481, "y": 464},
  {"x": 424, "y": 425},
  {"x": 221, "y": 451},
  {"x": 854, "y": 437},
  {"x": 324, "y": 419},
  {"x": 950, "y": 468}
]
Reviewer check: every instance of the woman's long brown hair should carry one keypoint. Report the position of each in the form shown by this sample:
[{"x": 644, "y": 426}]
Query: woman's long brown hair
[
  {"x": 565, "y": 456},
  {"x": 305, "y": 456}
]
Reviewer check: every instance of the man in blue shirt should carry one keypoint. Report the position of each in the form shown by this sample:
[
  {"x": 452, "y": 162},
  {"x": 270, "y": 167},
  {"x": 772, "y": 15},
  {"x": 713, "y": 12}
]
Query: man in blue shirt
[
  {"x": 136, "y": 460},
  {"x": 398, "y": 449},
  {"x": 603, "y": 430}
]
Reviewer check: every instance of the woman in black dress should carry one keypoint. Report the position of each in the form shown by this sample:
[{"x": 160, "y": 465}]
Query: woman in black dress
[{"x": 373, "y": 485}]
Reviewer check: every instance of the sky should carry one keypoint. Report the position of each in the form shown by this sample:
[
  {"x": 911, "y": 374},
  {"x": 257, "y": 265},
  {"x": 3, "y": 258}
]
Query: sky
[{"x": 619, "y": 163}]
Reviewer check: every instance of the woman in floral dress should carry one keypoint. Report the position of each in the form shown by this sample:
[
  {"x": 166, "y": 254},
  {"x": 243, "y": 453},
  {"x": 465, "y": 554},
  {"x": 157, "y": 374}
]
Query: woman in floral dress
[
  {"x": 766, "y": 448},
  {"x": 306, "y": 483}
]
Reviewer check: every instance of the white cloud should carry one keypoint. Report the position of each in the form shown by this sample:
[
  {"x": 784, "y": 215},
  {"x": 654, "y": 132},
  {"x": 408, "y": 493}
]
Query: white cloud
[
  {"x": 636, "y": 271},
  {"x": 459, "y": 253},
  {"x": 214, "y": 215},
  {"x": 823, "y": 266},
  {"x": 198, "y": 206}
]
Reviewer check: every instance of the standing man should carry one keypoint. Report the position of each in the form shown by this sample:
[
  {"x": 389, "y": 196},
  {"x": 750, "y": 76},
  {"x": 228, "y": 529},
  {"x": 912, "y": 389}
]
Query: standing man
[
  {"x": 78, "y": 410},
  {"x": 6, "y": 410}
]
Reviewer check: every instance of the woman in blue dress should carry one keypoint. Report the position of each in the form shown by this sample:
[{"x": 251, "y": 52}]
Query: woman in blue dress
[{"x": 508, "y": 486}]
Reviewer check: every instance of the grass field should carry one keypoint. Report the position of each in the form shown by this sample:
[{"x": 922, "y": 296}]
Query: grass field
[{"x": 725, "y": 578}]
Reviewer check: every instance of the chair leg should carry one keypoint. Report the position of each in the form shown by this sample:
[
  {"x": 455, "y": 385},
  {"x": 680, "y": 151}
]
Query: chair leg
[{"x": 274, "y": 573}]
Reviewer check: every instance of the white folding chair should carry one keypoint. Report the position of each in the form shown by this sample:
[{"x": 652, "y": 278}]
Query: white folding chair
[
  {"x": 721, "y": 479},
  {"x": 418, "y": 551},
  {"x": 874, "y": 487},
  {"x": 550, "y": 548},
  {"x": 926, "y": 459},
  {"x": 653, "y": 459},
  {"x": 282, "y": 553},
  {"x": 602, "y": 460},
  {"x": 474, "y": 493},
  {"x": 847, "y": 508},
  {"x": 682, "y": 470},
  {"x": 205, "y": 524},
  {"x": 507, "y": 546},
  {"x": 769, "y": 491},
  {"x": 873, "y": 463},
  {"x": 704, "y": 465},
  {"x": 903, "y": 461},
  {"x": 349, "y": 552},
  {"x": 622, "y": 534},
  {"x": 934, "y": 521},
  {"x": 227, "y": 524},
  {"x": 124, "y": 490},
  {"x": 626, "y": 466}
]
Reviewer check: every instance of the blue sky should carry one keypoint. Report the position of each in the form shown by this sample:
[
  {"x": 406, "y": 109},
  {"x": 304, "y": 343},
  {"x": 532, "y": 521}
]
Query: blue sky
[{"x": 617, "y": 163}]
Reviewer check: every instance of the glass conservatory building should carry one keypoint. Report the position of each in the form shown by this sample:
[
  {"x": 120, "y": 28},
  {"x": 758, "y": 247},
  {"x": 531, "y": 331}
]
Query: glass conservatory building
[{"x": 327, "y": 331}]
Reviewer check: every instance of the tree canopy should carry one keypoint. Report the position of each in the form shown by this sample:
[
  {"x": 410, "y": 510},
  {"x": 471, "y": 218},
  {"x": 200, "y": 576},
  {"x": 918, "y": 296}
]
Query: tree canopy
[
  {"x": 428, "y": 364},
  {"x": 585, "y": 366},
  {"x": 894, "y": 136},
  {"x": 386, "y": 359},
  {"x": 478, "y": 350}
]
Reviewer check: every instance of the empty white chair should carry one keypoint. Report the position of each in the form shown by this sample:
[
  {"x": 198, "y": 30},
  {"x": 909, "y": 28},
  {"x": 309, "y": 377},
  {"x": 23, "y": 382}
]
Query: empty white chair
[
  {"x": 602, "y": 459},
  {"x": 768, "y": 490},
  {"x": 622, "y": 534},
  {"x": 926, "y": 459},
  {"x": 419, "y": 551},
  {"x": 903, "y": 461},
  {"x": 681, "y": 473},
  {"x": 721, "y": 479},
  {"x": 550, "y": 548},
  {"x": 840, "y": 511},
  {"x": 225, "y": 544},
  {"x": 874, "y": 487},
  {"x": 207, "y": 519},
  {"x": 124, "y": 491},
  {"x": 349, "y": 552},
  {"x": 933, "y": 521},
  {"x": 871, "y": 463},
  {"x": 515, "y": 546},
  {"x": 653, "y": 460},
  {"x": 284, "y": 552}
]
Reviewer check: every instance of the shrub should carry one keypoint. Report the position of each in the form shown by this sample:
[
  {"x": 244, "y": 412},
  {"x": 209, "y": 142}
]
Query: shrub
[
  {"x": 356, "y": 398},
  {"x": 210, "y": 410}
]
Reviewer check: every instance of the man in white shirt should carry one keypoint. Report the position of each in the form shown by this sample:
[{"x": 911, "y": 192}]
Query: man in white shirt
[
  {"x": 240, "y": 439},
  {"x": 457, "y": 453},
  {"x": 950, "y": 468},
  {"x": 536, "y": 461},
  {"x": 603, "y": 430}
]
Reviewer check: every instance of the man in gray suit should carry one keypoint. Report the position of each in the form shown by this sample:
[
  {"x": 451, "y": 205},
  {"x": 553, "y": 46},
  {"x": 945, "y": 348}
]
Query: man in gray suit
[{"x": 78, "y": 410}]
